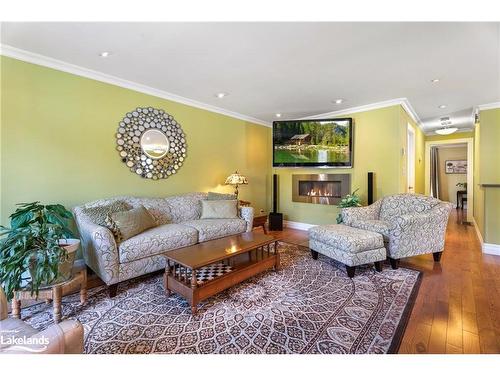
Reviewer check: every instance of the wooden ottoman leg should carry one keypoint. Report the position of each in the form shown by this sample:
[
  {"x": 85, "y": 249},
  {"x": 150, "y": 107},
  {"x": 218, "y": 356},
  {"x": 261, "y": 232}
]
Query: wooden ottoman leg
[
  {"x": 378, "y": 266},
  {"x": 394, "y": 263},
  {"x": 437, "y": 256},
  {"x": 314, "y": 254},
  {"x": 112, "y": 289},
  {"x": 350, "y": 271}
]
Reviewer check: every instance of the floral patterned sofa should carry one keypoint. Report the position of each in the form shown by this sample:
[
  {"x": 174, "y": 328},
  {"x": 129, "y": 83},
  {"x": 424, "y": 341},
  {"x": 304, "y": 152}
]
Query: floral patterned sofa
[
  {"x": 411, "y": 224},
  {"x": 179, "y": 225}
]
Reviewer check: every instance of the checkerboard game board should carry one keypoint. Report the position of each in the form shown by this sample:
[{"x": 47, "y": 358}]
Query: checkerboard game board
[{"x": 209, "y": 272}]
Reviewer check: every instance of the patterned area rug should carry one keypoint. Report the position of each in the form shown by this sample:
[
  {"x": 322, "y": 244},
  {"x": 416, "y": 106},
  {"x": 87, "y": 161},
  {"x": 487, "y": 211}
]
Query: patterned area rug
[{"x": 309, "y": 306}]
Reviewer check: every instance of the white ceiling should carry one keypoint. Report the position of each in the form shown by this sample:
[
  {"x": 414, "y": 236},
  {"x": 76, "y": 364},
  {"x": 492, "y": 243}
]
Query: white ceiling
[{"x": 296, "y": 69}]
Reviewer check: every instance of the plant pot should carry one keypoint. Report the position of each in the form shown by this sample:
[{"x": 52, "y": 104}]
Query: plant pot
[{"x": 65, "y": 268}]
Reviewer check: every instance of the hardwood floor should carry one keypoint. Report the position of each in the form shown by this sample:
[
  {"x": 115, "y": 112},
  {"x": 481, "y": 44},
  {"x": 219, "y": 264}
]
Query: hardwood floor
[{"x": 457, "y": 309}]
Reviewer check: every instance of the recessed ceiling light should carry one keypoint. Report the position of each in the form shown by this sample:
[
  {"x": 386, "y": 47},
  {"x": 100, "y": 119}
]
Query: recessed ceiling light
[
  {"x": 221, "y": 95},
  {"x": 104, "y": 54},
  {"x": 435, "y": 80},
  {"x": 278, "y": 115},
  {"x": 338, "y": 101},
  {"x": 442, "y": 106}
]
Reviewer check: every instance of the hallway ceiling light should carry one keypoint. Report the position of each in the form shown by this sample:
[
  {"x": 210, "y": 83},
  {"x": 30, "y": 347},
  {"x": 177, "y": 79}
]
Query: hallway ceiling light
[
  {"x": 221, "y": 95},
  {"x": 278, "y": 115},
  {"x": 104, "y": 54},
  {"x": 435, "y": 80},
  {"x": 442, "y": 106},
  {"x": 338, "y": 101},
  {"x": 446, "y": 130}
]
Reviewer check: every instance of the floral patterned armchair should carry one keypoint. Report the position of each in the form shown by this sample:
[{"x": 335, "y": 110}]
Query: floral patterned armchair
[{"x": 411, "y": 224}]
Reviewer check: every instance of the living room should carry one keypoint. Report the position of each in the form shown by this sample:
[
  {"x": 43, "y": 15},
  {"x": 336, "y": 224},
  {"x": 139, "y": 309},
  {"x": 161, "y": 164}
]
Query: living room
[{"x": 218, "y": 188}]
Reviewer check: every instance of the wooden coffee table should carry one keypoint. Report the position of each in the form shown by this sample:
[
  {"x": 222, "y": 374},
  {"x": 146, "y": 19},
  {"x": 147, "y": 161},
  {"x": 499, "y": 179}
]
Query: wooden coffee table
[{"x": 244, "y": 255}]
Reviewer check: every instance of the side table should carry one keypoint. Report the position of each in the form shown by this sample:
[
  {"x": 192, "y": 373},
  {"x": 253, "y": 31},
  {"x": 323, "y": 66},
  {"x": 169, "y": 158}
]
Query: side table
[
  {"x": 53, "y": 293},
  {"x": 260, "y": 221}
]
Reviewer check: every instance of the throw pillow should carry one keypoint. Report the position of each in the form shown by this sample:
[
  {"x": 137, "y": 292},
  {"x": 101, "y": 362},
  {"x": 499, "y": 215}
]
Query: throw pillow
[
  {"x": 127, "y": 224},
  {"x": 98, "y": 214},
  {"x": 219, "y": 196},
  {"x": 219, "y": 209}
]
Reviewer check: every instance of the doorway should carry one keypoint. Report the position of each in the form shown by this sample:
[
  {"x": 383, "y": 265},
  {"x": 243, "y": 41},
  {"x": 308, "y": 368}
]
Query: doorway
[
  {"x": 449, "y": 173},
  {"x": 410, "y": 159}
]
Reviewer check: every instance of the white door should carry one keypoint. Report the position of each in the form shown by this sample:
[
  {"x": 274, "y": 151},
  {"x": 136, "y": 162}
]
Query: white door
[{"x": 410, "y": 159}]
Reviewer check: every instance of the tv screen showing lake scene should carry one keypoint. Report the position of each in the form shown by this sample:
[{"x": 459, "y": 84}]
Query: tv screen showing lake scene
[{"x": 312, "y": 143}]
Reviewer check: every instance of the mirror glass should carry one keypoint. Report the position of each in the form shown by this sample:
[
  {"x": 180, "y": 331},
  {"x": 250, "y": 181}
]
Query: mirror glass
[{"x": 154, "y": 144}]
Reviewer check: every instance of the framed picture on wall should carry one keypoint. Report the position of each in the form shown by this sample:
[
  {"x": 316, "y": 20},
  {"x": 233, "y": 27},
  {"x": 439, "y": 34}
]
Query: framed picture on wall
[{"x": 455, "y": 166}]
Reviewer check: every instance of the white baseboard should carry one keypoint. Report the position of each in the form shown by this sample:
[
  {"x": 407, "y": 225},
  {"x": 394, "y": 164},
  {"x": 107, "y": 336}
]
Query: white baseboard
[
  {"x": 487, "y": 248},
  {"x": 297, "y": 225},
  {"x": 491, "y": 249},
  {"x": 478, "y": 232}
]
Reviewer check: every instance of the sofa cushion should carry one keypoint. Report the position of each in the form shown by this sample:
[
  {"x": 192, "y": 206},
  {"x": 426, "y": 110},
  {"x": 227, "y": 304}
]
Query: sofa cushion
[
  {"x": 209, "y": 229},
  {"x": 403, "y": 204},
  {"x": 127, "y": 224},
  {"x": 345, "y": 238},
  {"x": 379, "y": 226},
  {"x": 219, "y": 209},
  {"x": 156, "y": 241},
  {"x": 185, "y": 207}
]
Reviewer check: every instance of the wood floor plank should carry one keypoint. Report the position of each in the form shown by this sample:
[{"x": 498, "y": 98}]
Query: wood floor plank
[{"x": 471, "y": 343}]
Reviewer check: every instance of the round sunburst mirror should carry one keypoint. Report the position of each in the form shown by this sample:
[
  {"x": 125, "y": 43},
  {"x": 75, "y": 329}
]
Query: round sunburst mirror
[{"x": 151, "y": 143}]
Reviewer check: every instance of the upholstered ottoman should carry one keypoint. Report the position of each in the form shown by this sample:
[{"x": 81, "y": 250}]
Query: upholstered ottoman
[{"x": 348, "y": 245}]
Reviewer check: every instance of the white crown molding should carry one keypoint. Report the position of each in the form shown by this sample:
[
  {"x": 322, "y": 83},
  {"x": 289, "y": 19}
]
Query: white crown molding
[
  {"x": 297, "y": 225},
  {"x": 50, "y": 62},
  {"x": 370, "y": 107},
  {"x": 485, "y": 107}
]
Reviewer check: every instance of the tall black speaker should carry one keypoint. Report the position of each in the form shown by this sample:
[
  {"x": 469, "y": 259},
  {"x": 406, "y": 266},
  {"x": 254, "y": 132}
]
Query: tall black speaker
[
  {"x": 275, "y": 218},
  {"x": 370, "y": 187}
]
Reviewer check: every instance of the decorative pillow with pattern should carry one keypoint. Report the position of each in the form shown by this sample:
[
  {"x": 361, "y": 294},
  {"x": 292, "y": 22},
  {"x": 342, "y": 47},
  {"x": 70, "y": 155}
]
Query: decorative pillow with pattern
[
  {"x": 98, "y": 214},
  {"x": 127, "y": 224}
]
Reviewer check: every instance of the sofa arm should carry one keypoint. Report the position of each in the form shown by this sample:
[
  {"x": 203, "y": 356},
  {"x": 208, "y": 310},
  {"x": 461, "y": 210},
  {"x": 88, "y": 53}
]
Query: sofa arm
[
  {"x": 351, "y": 214},
  {"x": 99, "y": 249},
  {"x": 247, "y": 213},
  {"x": 419, "y": 233}
]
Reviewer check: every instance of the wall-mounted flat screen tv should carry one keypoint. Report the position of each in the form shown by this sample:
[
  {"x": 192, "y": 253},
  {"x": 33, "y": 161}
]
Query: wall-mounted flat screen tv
[{"x": 313, "y": 143}]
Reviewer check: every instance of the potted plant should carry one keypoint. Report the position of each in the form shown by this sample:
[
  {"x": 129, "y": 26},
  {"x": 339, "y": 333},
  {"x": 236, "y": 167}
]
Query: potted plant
[
  {"x": 350, "y": 200},
  {"x": 38, "y": 249}
]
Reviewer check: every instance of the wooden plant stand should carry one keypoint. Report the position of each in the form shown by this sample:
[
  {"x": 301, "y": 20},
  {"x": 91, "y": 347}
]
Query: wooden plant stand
[
  {"x": 248, "y": 254},
  {"x": 53, "y": 294}
]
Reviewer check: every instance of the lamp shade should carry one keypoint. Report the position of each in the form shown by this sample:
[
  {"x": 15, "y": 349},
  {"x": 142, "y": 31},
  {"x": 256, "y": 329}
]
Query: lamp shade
[{"x": 236, "y": 179}]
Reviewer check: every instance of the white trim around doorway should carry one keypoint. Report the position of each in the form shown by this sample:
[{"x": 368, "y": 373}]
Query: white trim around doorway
[{"x": 470, "y": 170}]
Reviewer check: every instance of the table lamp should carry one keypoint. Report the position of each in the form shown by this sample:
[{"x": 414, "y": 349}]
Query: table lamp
[{"x": 236, "y": 179}]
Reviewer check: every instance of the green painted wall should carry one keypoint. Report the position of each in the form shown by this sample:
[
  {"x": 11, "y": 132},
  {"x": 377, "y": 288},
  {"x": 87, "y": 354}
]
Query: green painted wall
[
  {"x": 377, "y": 148},
  {"x": 58, "y": 142},
  {"x": 489, "y": 172}
]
